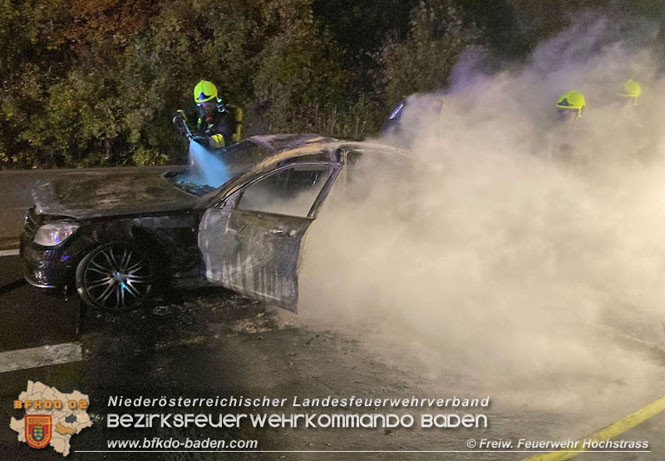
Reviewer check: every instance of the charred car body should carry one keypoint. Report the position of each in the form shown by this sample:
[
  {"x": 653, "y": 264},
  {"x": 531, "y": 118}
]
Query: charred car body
[{"x": 119, "y": 236}]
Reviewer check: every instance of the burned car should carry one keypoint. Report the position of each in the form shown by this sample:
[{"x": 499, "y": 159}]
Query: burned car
[{"x": 118, "y": 236}]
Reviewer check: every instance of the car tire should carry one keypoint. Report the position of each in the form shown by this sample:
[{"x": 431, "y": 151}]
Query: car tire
[{"x": 117, "y": 277}]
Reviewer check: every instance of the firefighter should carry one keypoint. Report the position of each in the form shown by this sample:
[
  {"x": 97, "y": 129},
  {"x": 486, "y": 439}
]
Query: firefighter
[
  {"x": 631, "y": 90},
  {"x": 629, "y": 125},
  {"x": 571, "y": 105},
  {"x": 217, "y": 124},
  {"x": 564, "y": 137}
]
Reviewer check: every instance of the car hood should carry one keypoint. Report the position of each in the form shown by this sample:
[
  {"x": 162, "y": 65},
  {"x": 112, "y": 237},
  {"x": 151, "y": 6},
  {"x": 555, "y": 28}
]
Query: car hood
[{"x": 110, "y": 192}]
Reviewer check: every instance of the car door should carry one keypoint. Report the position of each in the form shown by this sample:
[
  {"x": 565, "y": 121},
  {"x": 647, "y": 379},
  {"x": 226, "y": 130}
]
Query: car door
[{"x": 251, "y": 242}]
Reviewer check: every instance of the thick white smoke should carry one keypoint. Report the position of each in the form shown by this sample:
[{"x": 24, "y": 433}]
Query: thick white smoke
[{"x": 527, "y": 248}]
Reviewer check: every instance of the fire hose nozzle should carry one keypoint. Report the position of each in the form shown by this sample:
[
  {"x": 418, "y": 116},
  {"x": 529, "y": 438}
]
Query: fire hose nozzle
[{"x": 181, "y": 125}]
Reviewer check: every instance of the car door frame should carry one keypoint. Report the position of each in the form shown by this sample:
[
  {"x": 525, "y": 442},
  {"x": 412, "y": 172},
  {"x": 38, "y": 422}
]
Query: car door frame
[{"x": 229, "y": 263}]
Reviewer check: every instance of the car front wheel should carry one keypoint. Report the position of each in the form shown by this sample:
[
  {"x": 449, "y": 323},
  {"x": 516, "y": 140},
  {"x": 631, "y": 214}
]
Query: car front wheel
[{"x": 116, "y": 277}]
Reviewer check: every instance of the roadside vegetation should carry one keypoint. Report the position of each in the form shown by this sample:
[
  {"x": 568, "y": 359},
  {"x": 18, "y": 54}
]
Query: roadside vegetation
[{"x": 95, "y": 82}]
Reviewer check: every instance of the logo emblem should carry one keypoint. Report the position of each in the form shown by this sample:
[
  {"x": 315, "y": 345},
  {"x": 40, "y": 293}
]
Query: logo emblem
[{"x": 38, "y": 430}]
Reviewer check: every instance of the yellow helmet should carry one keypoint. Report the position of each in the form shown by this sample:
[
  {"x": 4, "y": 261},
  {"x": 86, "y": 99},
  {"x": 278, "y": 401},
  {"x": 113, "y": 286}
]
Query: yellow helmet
[
  {"x": 204, "y": 91},
  {"x": 572, "y": 100},
  {"x": 630, "y": 89}
]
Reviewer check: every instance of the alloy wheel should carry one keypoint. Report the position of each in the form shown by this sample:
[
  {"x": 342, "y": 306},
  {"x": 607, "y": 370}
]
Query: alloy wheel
[{"x": 118, "y": 278}]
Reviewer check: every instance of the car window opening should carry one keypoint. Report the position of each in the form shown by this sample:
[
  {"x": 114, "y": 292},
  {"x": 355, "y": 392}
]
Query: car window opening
[{"x": 290, "y": 192}]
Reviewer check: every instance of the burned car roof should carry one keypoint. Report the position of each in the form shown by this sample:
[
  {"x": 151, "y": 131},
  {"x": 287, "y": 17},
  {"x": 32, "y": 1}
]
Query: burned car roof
[
  {"x": 244, "y": 155},
  {"x": 219, "y": 166},
  {"x": 278, "y": 142},
  {"x": 304, "y": 150}
]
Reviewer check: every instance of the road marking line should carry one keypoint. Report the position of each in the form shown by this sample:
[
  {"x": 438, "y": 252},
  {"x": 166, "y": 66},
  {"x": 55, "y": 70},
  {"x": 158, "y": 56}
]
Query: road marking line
[
  {"x": 8, "y": 253},
  {"x": 608, "y": 432},
  {"x": 42, "y": 356}
]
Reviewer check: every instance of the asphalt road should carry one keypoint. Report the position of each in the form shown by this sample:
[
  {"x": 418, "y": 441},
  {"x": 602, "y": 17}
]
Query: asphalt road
[{"x": 214, "y": 343}]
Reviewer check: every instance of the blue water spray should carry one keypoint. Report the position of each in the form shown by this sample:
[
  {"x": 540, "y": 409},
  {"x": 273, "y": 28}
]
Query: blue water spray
[{"x": 205, "y": 167}]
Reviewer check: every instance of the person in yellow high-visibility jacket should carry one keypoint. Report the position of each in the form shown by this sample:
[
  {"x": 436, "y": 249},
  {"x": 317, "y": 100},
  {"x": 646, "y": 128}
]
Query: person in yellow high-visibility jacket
[
  {"x": 563, "y": 138},
  {"x": 217, "y": 124}
]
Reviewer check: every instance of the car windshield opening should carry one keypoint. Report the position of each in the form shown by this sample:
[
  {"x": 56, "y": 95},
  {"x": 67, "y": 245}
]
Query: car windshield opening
[{"x": 209, "y": 169}]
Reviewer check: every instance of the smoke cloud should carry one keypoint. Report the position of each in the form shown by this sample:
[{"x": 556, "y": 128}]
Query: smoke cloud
[{"x": 520, "y": 248}]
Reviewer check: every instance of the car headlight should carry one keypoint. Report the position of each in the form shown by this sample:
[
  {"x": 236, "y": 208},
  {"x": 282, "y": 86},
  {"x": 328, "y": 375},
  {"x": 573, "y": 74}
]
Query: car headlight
[{"x": 52, "y": 234}]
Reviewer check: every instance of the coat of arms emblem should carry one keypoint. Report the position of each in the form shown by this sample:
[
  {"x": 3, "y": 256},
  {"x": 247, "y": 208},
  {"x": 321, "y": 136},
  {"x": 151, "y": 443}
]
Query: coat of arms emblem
[{"x": 38, "y": 430}]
